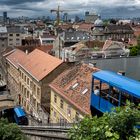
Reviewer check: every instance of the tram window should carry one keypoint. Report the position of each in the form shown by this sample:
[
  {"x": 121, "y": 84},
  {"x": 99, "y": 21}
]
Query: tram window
[
  {"x": 114, "y": 96},
  {"x": 126, "y": 97},
  {"x": 96, "y": 84},
  {"x": 136, "y": 101},
  {"x": 105, "y": 91},
  {"x": 97, "y": 90}
]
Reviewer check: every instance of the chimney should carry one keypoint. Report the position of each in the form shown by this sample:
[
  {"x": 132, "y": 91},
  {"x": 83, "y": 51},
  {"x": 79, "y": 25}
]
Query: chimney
[
  {"x": 26, "y": 52},
  {"x": 121, "y": 72},
  {"x": 92, "y": 64}
]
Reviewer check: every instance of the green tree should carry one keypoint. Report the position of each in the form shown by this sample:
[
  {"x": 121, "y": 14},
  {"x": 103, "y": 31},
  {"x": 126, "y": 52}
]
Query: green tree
[
  {"x": 10, "y": 131},
  {"x": 118, "y": 125},
  {"x": 134, "y": 51},
  {"x": 138, "y": 41}
]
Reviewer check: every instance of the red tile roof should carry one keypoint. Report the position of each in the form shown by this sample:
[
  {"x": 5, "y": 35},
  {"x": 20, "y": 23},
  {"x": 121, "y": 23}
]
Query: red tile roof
[
  {"x": 136, "y": 31},
  {"x": 84, "y": 26},
  {"x": 39, "y": 64},
  {"x": 16, "y": 57},
  {"x": 46, "y": 48},
  {"x": 65, "y": 86}
]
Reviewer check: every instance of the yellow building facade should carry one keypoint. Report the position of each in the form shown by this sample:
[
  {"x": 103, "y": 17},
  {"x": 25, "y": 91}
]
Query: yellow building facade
[
  {"x": 70, "y": 94},
  {"x": 13, "y": 74},
  {"x": 13, "y": 81},
  {"x": 63, "y": 111},
  {"x": 30, "y": 92}
]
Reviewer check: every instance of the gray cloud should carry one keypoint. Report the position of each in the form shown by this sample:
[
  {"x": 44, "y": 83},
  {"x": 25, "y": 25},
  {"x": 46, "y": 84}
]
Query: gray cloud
[
  {"x": 42, "y": 7},
  {"x": 16, "y": 2}
]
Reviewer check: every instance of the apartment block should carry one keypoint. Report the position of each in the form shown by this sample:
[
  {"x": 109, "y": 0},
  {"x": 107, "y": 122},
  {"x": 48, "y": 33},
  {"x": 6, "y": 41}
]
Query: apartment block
[
  {"x": 3, "y": 38},
  {"x": 70, "y": 94},
  {"x": 37, "y": 71},
  {"x": 13, "y": 58},
  {"x": 14, "y": 36}
]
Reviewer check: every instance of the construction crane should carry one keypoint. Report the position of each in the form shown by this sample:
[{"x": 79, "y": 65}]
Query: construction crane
[
  {"x": 57, "y": 14},
  {"x": 58, "y": 11}
]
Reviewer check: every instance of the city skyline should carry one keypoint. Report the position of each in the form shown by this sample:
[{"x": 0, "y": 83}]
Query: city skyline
[{"x": 31, "y": 8}]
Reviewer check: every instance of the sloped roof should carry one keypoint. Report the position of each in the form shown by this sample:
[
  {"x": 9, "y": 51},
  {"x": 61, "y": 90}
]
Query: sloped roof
[
  {"x": 16, "y": 57},
  {"x": 74, "y": 85},
  {"x": 119, "y": 28},
  {"x": 39, "y": 64},
  {"x": 109, "y": 42},
  {"x": 84, "y": 26}
]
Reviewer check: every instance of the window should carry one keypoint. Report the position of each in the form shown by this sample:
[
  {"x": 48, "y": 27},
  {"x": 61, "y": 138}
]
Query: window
[
  {"x": 10, "y": 34},
  {"x": 31, "y": 84},
  {"x": 22, "y": 75},
  {"x": 27, "y": 94},
  {"x": 10, "y": 39},
  {"x": 77, "y": 116},
  {"x": 17, "y": 39},
  {"x": 54, "y": 114},
  {"x": 38, "y": 92},
  {"x": 28, "y": 81},
  {"x": 61, "y": 103},
  {"x": 19, "y": 73},
  {"x": 24, "y": 103},
  {"x": 25, "y": 78},
  {"x": 34, "y": 88},
  {"x": 69, "y": 110},
  {"x": 27, "y": 107},
  {"x": 55, "y": 98},
  {"x": 17, "y": 34},
  {"x": 20, "y": 85}
]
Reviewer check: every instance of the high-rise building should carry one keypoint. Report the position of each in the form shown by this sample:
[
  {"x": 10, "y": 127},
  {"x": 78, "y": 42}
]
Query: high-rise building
[
  {"x": 65, "y": 17},
  {"x": 90, "y": 17},
  {"x": 4, "y": 17}
]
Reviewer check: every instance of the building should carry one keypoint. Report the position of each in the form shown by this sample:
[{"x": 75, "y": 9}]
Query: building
[
  {"x": 47, "y": 39},
  {"x": 15, "y": 36},
  {"x": 98, "y": 30},
  {"x": 68, "y": 38},
  {"x": 70, "y": 94},
  {"x": 3, "y": 38},
  {"x": 37, "y": 70},
  {"x": 90, "y": 17},
  {"x": 82, "y": 51},
  {"x": 136, "y": 30},
  {"x": 13, "y": 59},
  {"x": 94, "y": 49},
  {"x": 114, "y": 49},
  {"x": 118, "y": 32},
  {"x": 5, "y": 17},
  {"x": 113, "y": 31},
  {"x": 83, "y": 26}
]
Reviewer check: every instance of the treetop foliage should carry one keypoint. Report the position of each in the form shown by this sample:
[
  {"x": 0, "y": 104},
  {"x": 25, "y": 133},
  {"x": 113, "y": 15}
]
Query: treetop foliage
[
  {"x": 120, "y": 124},
  {"x": 10, "y": 131}
]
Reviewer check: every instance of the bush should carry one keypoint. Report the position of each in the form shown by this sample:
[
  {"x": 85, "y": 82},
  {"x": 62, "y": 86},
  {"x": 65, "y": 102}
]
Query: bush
[
  {"x": 118, "y": 125},
  {"x": 10, "y": 131}
]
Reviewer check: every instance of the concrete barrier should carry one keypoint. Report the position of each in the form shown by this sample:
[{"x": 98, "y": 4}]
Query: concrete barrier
[{"x": 46, "y": 132}]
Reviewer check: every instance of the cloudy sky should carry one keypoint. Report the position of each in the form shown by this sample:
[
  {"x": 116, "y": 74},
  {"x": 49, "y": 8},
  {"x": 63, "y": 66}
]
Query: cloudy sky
[{"x": 107, "y": 8}]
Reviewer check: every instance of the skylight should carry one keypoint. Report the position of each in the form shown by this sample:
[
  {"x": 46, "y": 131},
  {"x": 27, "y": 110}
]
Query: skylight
[
  {"x": 75, "y": 85},
  {"x": 84, "y": 91}
]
